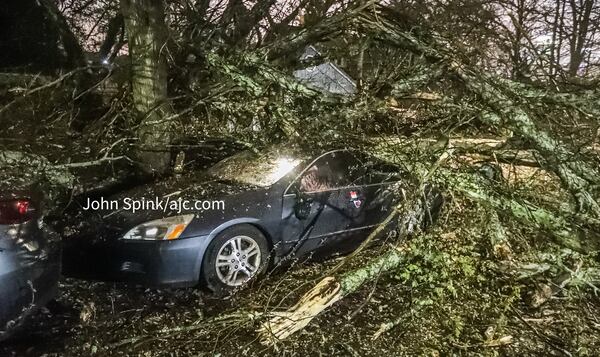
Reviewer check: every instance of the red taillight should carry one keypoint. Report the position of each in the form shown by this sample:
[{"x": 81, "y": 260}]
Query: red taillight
[
  {"x": 15, "y": 211},
  {"x": 22, "y": 207}
]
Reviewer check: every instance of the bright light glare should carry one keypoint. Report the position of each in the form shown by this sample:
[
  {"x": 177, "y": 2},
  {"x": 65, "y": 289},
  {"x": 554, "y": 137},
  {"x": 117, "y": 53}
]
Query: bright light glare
[{"x": 282, "y": 167}]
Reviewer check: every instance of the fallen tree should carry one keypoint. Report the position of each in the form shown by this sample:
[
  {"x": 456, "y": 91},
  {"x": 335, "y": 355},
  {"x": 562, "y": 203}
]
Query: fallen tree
[
  {"x": 326, "y": 293},
  {"x": 577, "y": 174},
  {"x": 333, "y": 288}
]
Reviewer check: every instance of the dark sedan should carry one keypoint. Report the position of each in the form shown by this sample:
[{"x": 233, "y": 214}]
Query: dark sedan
[
  {"x": 247, "y": 212},
  {"x": 29, "y": 260}
]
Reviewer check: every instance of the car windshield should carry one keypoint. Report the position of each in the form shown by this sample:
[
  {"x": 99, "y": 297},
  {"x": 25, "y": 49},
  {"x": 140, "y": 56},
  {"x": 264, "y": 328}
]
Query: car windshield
[{"x": 262, "y": 169}]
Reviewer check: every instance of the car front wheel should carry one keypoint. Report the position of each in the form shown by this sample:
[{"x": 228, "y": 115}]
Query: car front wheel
[{"x": 235, "y": 257}]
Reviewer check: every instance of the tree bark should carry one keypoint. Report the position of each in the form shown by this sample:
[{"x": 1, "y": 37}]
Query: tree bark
[
  {"x": 147, "y": 39},
  {"x": 326, "y": 293},
  {"x": 561, "y": 231}
]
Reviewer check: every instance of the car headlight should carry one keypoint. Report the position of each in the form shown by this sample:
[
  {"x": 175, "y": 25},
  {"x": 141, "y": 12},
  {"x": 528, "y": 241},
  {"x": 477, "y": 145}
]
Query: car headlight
[{"x": 161, "y": 229}]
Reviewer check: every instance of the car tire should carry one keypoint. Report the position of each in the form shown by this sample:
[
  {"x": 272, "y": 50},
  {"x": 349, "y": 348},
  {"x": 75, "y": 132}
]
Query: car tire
[{"x": 247, "y": 252}]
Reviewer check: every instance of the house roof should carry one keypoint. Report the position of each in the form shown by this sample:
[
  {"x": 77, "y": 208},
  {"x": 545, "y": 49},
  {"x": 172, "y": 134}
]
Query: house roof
[{"x": 326, "y": 77}]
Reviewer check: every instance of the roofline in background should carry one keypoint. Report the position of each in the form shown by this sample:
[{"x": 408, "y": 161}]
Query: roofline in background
[{"x": 336, "y": 67}]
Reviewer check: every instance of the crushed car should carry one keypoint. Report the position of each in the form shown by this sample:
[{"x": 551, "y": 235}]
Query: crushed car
[{"x": 263, "y": 208}]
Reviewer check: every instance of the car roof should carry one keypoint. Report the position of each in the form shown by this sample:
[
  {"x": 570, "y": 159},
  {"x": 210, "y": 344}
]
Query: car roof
[{"x": 265, "y": 167}]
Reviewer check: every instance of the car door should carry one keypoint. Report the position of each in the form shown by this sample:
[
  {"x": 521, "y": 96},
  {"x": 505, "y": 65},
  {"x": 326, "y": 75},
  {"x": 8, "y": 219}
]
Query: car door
[
  {"x": 353, "y": 190},
  {"x": 375, "y": 188},
  {"x": 385, "y": 186},
  {"x": 356, "y": 195},
  {"x": 322, "y": 189}
]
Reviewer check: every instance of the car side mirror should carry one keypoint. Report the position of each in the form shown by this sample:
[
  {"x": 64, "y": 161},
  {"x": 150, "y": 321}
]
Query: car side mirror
[{"x": 303, "y": 206}]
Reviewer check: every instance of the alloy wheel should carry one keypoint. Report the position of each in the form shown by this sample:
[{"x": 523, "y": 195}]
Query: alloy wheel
[{"x": 238, "y": 260}]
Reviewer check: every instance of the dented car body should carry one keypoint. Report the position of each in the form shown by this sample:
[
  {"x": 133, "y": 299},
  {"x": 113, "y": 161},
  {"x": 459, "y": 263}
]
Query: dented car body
[{"x": 276, "y": 204}]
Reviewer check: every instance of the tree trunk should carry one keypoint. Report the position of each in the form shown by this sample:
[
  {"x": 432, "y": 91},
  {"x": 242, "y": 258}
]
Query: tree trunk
[
  {"x": 73, "y": 51},
  {"x": 327, "y": 292},
  {"x": 147, "y": 38},
  {"x": 580, "y": 16},
  {"x": 554, "y": 56},
  {"x": 115, "y": 26}
]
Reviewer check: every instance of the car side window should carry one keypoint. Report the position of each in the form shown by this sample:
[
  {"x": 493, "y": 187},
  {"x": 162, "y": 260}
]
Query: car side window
[
  {"x": 331, "y": 171},
  {"x": 321, "y": 175},
  {"x": 355, "y": 168},
  {"x": 380, "y": 172}
]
